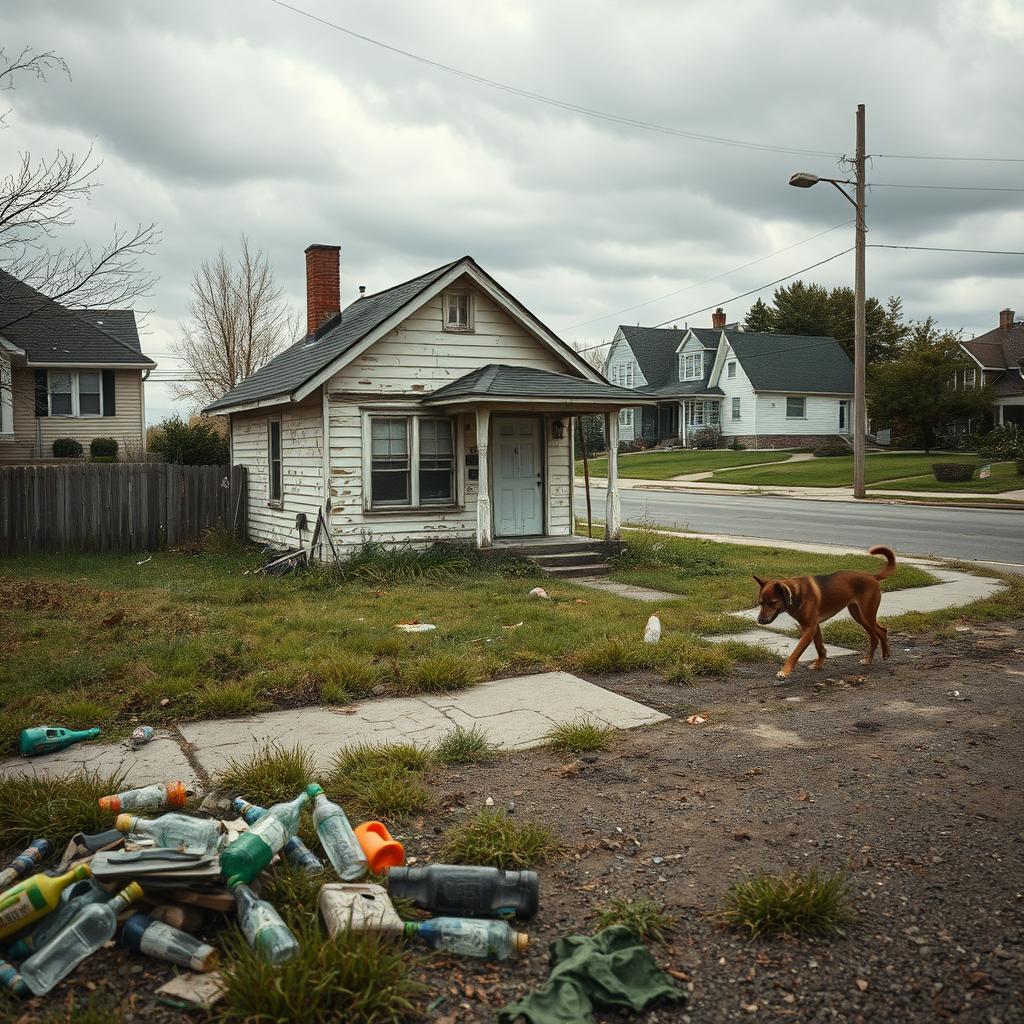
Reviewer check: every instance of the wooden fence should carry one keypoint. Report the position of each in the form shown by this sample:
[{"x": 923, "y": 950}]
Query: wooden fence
[{"x": 136, "y": 506}]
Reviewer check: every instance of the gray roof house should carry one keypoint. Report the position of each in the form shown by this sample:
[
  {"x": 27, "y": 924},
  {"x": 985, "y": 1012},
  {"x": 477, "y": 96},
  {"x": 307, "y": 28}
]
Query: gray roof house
[
  {"x": 437, "y": 409},
  {"x": 997, "y": 359},
  {"x": 761, "y": 390}
]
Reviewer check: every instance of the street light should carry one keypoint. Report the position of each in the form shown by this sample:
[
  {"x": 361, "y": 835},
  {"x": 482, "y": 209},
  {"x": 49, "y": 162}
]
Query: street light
[{"x": 804, "y": 179}]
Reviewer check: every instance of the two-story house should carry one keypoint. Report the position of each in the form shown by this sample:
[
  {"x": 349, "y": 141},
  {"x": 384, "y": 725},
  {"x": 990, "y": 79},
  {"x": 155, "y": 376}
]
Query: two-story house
[
  {"x": 761, "y": 390},
  {"x": 997, "y": 359}
]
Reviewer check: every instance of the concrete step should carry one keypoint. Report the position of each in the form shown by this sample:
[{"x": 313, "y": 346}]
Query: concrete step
[
  {"x": 568, "y": 572},
  {"x": 587, "y": 556},
  {"x": 529, "y": 548}
]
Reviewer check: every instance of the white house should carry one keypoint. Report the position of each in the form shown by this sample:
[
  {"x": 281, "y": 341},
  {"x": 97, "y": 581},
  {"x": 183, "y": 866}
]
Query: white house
[
  {"x": 997, "y": 359},
  {"x": 761, "y": 390},
  {"x": 439, "y": 409}
]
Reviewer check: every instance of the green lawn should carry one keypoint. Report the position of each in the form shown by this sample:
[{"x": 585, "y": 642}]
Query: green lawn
[
  {"x": 1004, "y": 478},
  {"x": 838, "y": 470},
  {"x": 664, "y": 465}
]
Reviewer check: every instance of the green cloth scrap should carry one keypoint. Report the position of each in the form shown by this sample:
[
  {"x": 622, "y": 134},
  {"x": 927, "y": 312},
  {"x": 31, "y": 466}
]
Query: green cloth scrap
[{"x": 610, "y": 969}]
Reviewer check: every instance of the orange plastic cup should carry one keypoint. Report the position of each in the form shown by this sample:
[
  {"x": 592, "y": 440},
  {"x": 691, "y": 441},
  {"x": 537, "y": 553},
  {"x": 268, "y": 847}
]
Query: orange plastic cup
[{"x": 382, "y": 852}]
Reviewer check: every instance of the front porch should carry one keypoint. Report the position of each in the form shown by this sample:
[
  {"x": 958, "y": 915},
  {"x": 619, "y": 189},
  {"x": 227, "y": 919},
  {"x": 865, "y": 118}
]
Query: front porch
[
  {"x": 677, "y": 420},
  {"x": 1010, "y": 410}
]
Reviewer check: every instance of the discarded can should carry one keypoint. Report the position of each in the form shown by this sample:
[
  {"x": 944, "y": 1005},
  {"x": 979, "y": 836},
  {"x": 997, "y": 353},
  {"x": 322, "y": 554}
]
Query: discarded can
[
  {"x": 48, "y": 739},
  {"x": 358, "y": 907},
  {"x": 174, "y": 830},
  {"x": 262, "y": 926},
  {"x": 35, "y": 853},
  {"x": 11, "y": 980},
  {"x": 72, "y": 900},
  {"x": 142, "y": 735},
  {"x": 33, "y": 898},
  {"x": 297, "y": 852},
  {"x": 382, "y": 852},
  {"x": 465, "y": 890},
  {"x": 243, "y": 859},
  {"x": 490, "y": 940},
  {"x": 337, "y": 837},
  {"x": 161, "y": 797},
  {"x": 142, "y": 934}
]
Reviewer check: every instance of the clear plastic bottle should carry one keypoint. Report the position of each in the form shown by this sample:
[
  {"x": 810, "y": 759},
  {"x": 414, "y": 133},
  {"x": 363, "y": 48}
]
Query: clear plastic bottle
[
  {"x": 163, "y": 796},
  {"x": 340, "y": 844},
  {"x": 72, "y": 900},
  {"x": 491, "y": 940},
  {"x": 297, "y": 852},
  {"x": 252, "y": 851},
  {"x": 174, "y": 830},
  {"x": 262, "y": 926},
  {"x": 79, "y": 938},
  {"x": 142, "y": 934}
]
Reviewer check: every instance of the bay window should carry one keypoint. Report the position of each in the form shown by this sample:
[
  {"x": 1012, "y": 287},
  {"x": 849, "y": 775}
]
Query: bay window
[{"x": 412, "y": 461}]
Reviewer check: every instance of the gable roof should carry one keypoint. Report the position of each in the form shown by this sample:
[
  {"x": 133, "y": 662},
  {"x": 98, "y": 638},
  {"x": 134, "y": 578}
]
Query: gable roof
[
  {"x": 49, "y": 333},
  {"x": 1009, "y": 382},
  {"x": 654, "y": 349},
  {"x": 793, "y": 362},
  {"x": 500, "y": 381},
  {"x": 1002, "y": 347},
  {"x": 300, "y": 365}
]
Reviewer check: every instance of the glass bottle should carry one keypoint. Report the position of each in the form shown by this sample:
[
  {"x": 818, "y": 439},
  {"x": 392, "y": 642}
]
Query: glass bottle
[
  {"x": 337, "y": 838},
  {"x": 263, "y": 927},
  {"x": 297, "y": 852},
  {"x": 491, "y": 940},
  {"x": 161, "y": 797},
  {"x": 31, "y": 899},
  {"x": 243, "y": 859},
  {"x": 72, "y": 899},
  {"x": 174, "y": 830}
]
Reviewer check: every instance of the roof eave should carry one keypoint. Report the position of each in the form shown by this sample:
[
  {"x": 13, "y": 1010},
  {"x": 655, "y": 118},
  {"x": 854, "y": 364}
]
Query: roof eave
[{"x": 262, "y": 403}]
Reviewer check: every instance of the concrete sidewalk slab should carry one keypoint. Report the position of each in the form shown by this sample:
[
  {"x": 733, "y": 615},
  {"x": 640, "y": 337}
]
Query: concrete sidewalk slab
[
  {"x": 626, "y": 590},
  {"x": 780, "y": 644}
]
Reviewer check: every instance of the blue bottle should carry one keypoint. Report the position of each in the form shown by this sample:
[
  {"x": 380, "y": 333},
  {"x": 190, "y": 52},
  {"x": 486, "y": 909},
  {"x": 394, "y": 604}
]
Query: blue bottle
[{"x": 297, "y": 852}]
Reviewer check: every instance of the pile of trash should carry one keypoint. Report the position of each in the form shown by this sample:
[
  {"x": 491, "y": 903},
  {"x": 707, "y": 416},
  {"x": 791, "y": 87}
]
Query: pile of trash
[{"x": 179, "y": 866}]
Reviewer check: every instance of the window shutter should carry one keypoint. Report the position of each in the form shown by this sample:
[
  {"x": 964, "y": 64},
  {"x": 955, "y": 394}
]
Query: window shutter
[
  {"x": 42, "y": 405},
  {"x": 109, "y": 408}
]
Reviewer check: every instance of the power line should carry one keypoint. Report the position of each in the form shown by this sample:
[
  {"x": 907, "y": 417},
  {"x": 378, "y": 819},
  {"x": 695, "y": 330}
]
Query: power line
[
  {"x": 554, "y": 102},
  {"x": 708, "y": 280},
  {"x": 965, "y": 159},
  {"x": 936, "y": 248},
  {"x": 948, "y": 188}
]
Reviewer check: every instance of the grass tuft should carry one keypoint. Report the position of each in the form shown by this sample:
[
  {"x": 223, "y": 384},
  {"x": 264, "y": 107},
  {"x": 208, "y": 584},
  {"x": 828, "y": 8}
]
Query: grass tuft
[
  {"x": 795, "y": 904},
  {"x": 615, "y": 654},
  {"x": 357, "y": 976},
  {"x": 441, "y": 672},
  {"x": 346, "y": 677},
  {"x": 380, "y": 781},
  {"x": 645, "y": 918},
  {"x": 222, "y": 699},
  {"x": 493, "y": 838},
  {"x": 581, "y": 735},
  {"x": 464, "y": 746},
  {"x": 372, "y": 756},
  {"x": 272, "y": 774}
]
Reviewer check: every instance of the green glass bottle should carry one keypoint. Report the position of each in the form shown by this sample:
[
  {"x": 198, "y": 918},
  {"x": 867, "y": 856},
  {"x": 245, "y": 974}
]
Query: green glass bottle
[
  {"x": 31, "y": 899},
  {"x": 252, "y": 851},
  {"x": 263, "y": 927}
]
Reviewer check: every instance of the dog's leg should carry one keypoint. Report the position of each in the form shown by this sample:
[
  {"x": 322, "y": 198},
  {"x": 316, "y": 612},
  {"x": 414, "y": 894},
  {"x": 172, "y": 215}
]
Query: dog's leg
[
  {"x": 871, "y": 613},
  {"x": 819, "y": 646},
  {"x": 858, "y": 616},
  {"x": 805, "y": 638}
]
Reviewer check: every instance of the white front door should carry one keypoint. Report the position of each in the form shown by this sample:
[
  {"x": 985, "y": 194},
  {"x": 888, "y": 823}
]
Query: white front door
[{"x": 518, "y": 476}]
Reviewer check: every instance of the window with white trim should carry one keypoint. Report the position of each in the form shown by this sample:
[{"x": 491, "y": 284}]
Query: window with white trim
[
  {"x": 75, "y": 392},
  {"x": 458, "y": 311},
  {"x": 716, "y": 413},
  {"x": 412, "y": 461},
  {"x": 691, "y": 365},
  {"x": 730, "y": 369},
  {"x": 796, "y": 408},
  {"x": 735, "y": 408},
  {"x": 623, "y": 375},
  {"x": 625, "y": 417},
  {"x": 275, "y": 487}
]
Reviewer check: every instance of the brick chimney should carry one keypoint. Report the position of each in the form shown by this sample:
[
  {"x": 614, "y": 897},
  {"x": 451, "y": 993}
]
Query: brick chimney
[
  {"x": 718, "y": 319},
  {"x": 1005, "y": 319},
  {"x": 323, "y": 284}
]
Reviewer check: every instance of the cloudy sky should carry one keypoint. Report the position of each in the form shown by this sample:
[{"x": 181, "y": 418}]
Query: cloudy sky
[{"x": 216, "y": 118}]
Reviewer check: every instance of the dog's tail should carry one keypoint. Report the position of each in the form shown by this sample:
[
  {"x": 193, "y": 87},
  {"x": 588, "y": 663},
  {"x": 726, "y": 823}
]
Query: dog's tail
[{"x": 890, "y": 559}]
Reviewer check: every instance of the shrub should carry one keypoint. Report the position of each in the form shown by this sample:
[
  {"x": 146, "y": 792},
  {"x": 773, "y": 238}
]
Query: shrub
[
  {"x": 706, "y": 438},
  {"x": 831, "y": 447},
  {"x": 953, "y": 472},
  {"x": 1002, "y": 443},
  {"x": 793, "y": 904},
  {"x": 638, "y": 444},
  {"x": 493, "y": 839},
  {"x": 189, "y": 444},
  {"x": 737, "y": 446},
  {"x": 103, "y": 448},
  {"x": 67, "y": 448}
]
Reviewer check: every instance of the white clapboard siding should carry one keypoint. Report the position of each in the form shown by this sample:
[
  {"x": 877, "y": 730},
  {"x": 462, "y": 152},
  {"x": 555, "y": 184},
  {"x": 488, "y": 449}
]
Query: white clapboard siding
[
  {"x": 620, "y": 355},
  {"x": 821, "y": 415},
  {"x": 737, "y": 387},
  {"x": 302, "y": 471}
]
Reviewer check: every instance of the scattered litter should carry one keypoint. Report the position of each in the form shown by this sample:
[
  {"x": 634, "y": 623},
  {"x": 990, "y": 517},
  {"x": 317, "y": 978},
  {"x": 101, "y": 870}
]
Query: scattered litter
[
  {"x": 381, "y": 849},
  {"x": 164, "y": 701},
  {"x": 695, "y": 720},
  {"x": 48, "y": 739},
  {"x": 201, "y": 992},
  {"x": 145, "y": 560},
  {"x": 142, "y": 735},
  {"x": 489, "y": 802},
  {"x": 160, "y": 797},
  {"x": 652, "y": 632},
  {"x": 415, "y": 627},
  {"x": 492, "y": 940},
  {"x": 515, "y": 625},
  {"x": 540, "y": 592},
  {"x": 36, "y": 852},
  {"x": 957, "y": 695},
  {"x": 467, "y": 890},
  {"x": 143, "y": 934},
  {"x": 359, "y": 907},
  {"x": 963, "y": 629}
]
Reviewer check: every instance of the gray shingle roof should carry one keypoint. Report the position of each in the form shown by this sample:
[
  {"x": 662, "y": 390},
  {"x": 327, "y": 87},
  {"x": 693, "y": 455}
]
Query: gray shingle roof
[
  {"x": 795, "y": 363},
  {"x": 499, "y": 381},
  {"x": 1008, "y": 383},
  {"x": 51, "y": 333},
  {"x": 655, "y": 351},
  {"x": 684, "y": 390}
]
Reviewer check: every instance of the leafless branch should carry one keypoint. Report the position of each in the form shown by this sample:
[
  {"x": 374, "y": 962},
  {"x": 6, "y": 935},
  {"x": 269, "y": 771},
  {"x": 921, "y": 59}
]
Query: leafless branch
[{"x": 28, "y": 61}]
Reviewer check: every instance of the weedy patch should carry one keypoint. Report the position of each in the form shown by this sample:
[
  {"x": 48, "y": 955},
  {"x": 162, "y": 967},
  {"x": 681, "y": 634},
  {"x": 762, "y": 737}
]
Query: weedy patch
[
  {"x": 272, "y": 774},
  {"x": 380, "y": 781},
  {"x": 222, "y": 699},
  {"x": 294, "y": 892},
  {"x": 614, "y": 654},
  {"x": 98, "y": 1008},
  {"x": 345, "y": 677},
  {"x": 440, "y": 672},
  {"x": 581, "y": 735},
  {"x": 493, "y": 838},
  {"x": 464, "y": 746},
  {"x": 645, "y": 918},
  {"x": 357, "y": 976},
  {"x": 796, "y": 904}
]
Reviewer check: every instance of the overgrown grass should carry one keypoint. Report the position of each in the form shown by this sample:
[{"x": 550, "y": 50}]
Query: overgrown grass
[
  {"x": 441, "y": 672},
  {"x": 380, "y": 781},
  {"x": 801, "y": 903},
  {"x": 580, "y": 736},
  {"x": 272, "y": 774},
  {"x": 464, "y": 746},
  {"x": 53, "y": 808},
  {"x": 493, "y": 838},
  {"x": 357, "y": 976},
  {"x": 645, "y": 918},
  {"x": 1004, "y": 478}
]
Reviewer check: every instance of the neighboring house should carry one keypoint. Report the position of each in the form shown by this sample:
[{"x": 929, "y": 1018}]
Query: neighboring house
[
  {"x": 66, "y": 373},
  {"x": 999, "y": 362},
  {"x": 761, "y": 390},
  {"x": 439, "y": 409}
]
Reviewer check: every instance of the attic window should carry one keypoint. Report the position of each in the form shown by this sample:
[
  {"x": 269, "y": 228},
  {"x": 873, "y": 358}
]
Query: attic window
[
  {"x": 691, "y": 365},
  {"x": 458, "y": 311},
  {"x": 731, "y": 367}
]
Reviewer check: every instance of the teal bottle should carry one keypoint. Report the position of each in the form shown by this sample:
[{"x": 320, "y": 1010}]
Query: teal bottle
[
  {"x": 297, "y": 852},
  {"x": 337, "y": 837},
  {"x": 11, "y": 980},
  {"x": 47, "y": 739},
  {"x": 252, "y": 851}
]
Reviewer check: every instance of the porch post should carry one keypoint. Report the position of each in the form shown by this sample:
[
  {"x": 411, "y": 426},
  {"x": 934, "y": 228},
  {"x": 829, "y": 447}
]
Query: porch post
[
  {"x": 1001, "y": 415},
  {"x": 483, "y": 495},
  {"x": 613, "y": 529}
]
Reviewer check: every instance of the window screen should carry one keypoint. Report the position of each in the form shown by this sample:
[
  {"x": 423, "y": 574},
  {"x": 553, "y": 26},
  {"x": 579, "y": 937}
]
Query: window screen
[
  {"x": 274, "y": 447},
  {"x": 390, "y": 466},
  {"x": 437, "y": 462},
  {"x": 60, "y": 394},
  {"x": 89, "y": 394}
]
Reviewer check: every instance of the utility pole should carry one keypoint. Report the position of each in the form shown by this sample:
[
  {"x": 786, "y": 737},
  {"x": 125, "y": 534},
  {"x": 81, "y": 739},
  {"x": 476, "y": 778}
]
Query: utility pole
[{"x": 860, "y": 415}]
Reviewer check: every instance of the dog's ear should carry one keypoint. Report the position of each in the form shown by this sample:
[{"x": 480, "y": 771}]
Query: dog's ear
[
  {"x": 759, "y": 581},
  {"x": 784, "y": 593}
]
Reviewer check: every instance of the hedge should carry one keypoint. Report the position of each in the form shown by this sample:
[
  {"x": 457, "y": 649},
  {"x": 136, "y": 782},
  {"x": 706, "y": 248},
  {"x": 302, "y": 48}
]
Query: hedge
[
  {"x": 953, "y": 472},
  {"x": 67, "y": 448},
  {"x": 103, "y": 448}
]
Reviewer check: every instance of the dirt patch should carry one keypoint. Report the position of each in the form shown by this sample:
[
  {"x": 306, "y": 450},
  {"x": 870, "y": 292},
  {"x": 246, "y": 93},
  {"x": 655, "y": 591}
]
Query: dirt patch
[{"x": 43, "y": 596}]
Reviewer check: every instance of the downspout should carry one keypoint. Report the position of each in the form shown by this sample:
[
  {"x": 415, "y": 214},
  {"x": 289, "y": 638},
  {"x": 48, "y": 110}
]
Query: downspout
[{"x": 142, "y": 406}]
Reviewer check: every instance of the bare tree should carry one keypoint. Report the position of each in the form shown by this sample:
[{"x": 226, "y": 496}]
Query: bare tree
[
  {"x": 38, "y": 199},
  {"x": 238, "y": 320}
]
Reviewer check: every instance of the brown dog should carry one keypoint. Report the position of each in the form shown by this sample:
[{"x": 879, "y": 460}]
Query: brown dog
[{"x": 811, "y": 600}]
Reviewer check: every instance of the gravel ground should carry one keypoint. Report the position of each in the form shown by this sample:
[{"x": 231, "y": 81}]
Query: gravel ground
[{"x": 904, "y": 774}]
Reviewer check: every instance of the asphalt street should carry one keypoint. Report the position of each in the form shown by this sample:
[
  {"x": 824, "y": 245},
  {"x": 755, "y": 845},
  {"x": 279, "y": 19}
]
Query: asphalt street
[{"x": 970, "y": 534}]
